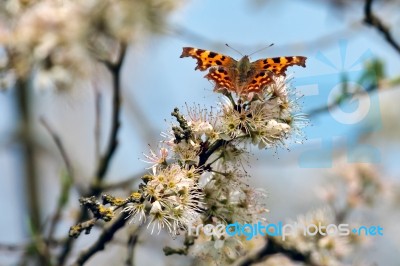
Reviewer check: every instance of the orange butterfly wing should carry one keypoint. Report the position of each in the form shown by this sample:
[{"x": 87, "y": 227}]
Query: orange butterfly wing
[
  {"x": 221, "y": 78},
  {"x": 225, "y": 74},
  {"x": 257, "y": 82},
  {"x": 207, "y": 59},
  {"x": 278, "y": 65}
]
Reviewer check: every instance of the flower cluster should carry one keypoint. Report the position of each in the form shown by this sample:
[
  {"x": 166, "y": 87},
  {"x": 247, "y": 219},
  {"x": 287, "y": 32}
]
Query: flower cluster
[
  {"x": 265, "y": 121},
  {"x": 198, "y": 175},
  {"x": 357, "y": 185},
  {"x": 170, "y": 198}
]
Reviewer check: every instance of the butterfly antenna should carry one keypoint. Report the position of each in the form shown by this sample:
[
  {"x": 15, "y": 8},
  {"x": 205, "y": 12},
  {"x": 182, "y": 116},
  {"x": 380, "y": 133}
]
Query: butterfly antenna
[
  {"x": 233, "y": 49},
  {"x": 261, "y": 49}
]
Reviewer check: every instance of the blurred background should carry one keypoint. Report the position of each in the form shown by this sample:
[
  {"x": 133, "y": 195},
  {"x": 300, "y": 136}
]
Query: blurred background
[{"x": 351, "y": 67}]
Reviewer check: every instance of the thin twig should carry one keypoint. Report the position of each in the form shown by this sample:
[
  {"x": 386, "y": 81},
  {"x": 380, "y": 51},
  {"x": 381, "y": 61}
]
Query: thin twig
[
  {"x": 116, "y": 111},
  {"x": 371, "y": 19},
  {"x": 127, "y": 183},
  {"x": 136, "y": 115},
  {"x": 65, "y": 185},
  {"x": 59, "y": 145},
  {"x": 105, "y": 237},
  {"x": 103, "y": 165},
  {"x": 30, "y": 170},
  {"x": 132, "y": 241},
  {"x": 97, "y": 127},
  {"x": 324, "y": 41},
  {"x": 12, "y": 247}
]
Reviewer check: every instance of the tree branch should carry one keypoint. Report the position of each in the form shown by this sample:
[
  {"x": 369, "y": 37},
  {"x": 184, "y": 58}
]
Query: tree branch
[
  {"x": 59, "y": 145},
  {"x": 105, "y": 237},
  {"x": 116, "y": 111},
  {"x": 66, "y": 181},
  {"x": 30, "y": 170},
  {"x": 104, "y": 163},
  {"x": 132, "y": 241},
  {"x": 271, "y": 248},
  {"x": 371, "y": 19}
]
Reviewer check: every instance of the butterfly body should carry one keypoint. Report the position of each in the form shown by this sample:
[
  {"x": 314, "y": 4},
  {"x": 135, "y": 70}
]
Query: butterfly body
[
  {"x": 242, "y": 77},
  {"x": 244, "y": 69}
]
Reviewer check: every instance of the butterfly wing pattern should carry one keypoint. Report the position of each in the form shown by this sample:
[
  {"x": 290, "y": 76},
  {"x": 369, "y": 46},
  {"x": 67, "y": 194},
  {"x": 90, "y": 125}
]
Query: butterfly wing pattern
[
  {"x": 222, "y": 67},
  {"x": 278, "y": 65},
  {"x": 241, "y": 77},
  {"x": 257, "y": 82},
  {"x": 207, "y": 59},
  {"x": 222, "y": 78}
]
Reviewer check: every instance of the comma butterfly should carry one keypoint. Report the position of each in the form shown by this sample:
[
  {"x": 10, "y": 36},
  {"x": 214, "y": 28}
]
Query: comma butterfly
[{"x": 242, "y": 77}]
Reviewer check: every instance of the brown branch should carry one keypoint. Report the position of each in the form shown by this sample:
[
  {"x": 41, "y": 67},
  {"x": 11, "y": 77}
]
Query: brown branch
[
  {"x": 104, "y": 163},
  {"x": 30, "y": 170},
  {"x": 105, "y": 160},
  {"x": 132, "y": 241},
  {"x": 122, "y": 184},
  {"x": 371, "y": 19},
  {"x": 105, "y": 237},
  {"x": 272, "y": 247}
]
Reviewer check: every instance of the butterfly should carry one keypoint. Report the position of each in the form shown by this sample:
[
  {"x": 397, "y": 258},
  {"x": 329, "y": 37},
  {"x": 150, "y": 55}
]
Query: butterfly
[{"x": 241, "y": 77}]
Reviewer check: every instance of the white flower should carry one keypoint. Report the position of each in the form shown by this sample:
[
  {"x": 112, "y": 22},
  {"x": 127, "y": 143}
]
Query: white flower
[
  {"x": 187, "y": 151},
  {"x": 155, "y": 159},
  {"x": 201, "y": 127},
  {"x": 136, "y": 212},
  {"x": 158, "y": 218}
]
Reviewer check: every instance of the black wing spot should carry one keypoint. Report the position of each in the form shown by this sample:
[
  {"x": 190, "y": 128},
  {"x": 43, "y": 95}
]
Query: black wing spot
[
  {"x": 212, "y": 55},
  {"x": 276, "y": 60},
  {"x": 218, "y": 62}
]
